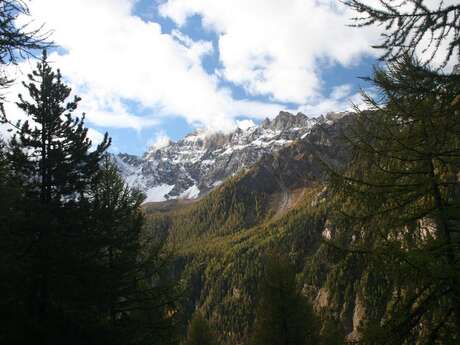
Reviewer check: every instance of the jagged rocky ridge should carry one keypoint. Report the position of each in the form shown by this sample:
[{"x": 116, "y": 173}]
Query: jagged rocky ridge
[
  {"x": 198, "y": 163},
  {"x": 219, "y": 242}
]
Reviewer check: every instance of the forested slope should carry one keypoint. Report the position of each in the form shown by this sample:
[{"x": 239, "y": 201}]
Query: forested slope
[{"x": 220, "y": 241}]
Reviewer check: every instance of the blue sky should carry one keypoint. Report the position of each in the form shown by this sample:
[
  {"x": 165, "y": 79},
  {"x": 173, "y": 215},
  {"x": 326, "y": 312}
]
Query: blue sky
[{"x": 151, "y": 70}]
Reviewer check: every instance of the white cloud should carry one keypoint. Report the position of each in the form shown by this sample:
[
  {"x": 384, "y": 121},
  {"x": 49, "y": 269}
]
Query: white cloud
[
  {"x": 109, "y": 111},
  {"x": 160, "y": 140},
  {"x": 112, "y": 56},
  {"x": 132, "y": 75},
  {"x": 245, "y": 124},
  {"x": 341, "y": 91},
  {"x": 274, "y": 47},
  {"x": 95, "y": 136},
  {"x": 341, "y": 98}
]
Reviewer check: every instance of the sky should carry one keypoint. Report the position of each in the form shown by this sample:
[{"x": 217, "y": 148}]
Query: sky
[{"x": 150, "y": 71}]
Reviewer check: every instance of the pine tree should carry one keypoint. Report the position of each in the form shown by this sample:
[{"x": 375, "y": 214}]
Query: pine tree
[
  {"x": 134, "y": 293},
  {"x": 199, "y": 332},
  {"x": 400, "y": 196},
  {"x": 48, "y": 236},
  {"x": 52, "y": 147},
  {"x": 80, "y": 269},
  {"x": 283, "y": 316}
]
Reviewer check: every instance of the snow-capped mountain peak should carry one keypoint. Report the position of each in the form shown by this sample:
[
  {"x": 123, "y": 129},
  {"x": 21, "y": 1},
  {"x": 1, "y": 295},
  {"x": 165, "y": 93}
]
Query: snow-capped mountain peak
[{"x": 191, "y": 167}]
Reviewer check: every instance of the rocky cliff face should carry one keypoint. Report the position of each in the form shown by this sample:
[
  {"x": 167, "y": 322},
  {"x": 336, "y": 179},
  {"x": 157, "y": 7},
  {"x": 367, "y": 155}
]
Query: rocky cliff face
[{"x": 196, "y": 164}]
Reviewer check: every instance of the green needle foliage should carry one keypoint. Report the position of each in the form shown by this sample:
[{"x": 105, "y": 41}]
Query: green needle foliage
[
  {"x": 47, "y": 236},
  {"x": 400, "y": 196},
  {"x": 76, "y": 266},
  {"x": 133, "y": 293},
  {"x": 52, "y": 147},
  {"x": 199, "y": 332},
  {"x": 18, "y": 42},
  {"x": 283, "y": 316}
]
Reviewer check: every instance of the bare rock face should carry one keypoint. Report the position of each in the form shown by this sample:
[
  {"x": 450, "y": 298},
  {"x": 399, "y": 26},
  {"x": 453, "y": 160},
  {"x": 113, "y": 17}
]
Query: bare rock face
[
  {"x": 191, "y": 167},
  {"x": 322, "y": 299},
  {"x": 359, "y": 315}
]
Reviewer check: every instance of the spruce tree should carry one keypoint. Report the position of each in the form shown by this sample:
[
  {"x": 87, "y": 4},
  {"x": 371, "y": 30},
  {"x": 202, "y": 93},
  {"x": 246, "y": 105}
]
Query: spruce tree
[
  {"x": 399, "y": 196},
  {"x": 48, "y": 234},
  {"x": 283, "y": 315},
  {"x": 134, "y": 294}
]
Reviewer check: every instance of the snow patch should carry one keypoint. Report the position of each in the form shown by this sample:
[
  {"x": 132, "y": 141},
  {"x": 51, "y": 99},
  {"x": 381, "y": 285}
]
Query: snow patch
[
  {"x": 191, "y": 193},
  {"x": 158, "y": 193},
  {"x": 304, "y": 135}
]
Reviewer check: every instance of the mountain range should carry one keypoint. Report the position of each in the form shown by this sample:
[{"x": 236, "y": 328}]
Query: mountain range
[{"x": 193, "y": 166}]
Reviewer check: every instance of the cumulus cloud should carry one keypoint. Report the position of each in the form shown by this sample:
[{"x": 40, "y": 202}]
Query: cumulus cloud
[
  {"x": 273, "y": 47},
  {"x": 132, "y": 74},
  {"x": 341, "y": 98},
  {"x": 112, "y": 56},
  {"x": 114, "y": 59}
]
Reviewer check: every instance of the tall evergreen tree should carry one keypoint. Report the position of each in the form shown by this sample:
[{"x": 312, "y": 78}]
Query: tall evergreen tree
[
  {"x": 135, "y": 296},
  {"x": 283, "y": 316},
  {"x": 48, "y": 235},
  {"x": 400, "y": 195},
  {"x": 52, "y": 148}
]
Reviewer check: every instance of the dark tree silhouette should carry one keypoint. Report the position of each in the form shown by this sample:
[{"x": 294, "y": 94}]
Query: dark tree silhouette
[
  {"x": 199, "y": 332},
  {"x": 409, "y": 24},
  {"x": 283, "y": 316},
  {"x": 134, "y": 293},
  {"x": 47, "y": 238},
  {"x": 52, "y": 147},
  {"x": 400, "y": 196}
]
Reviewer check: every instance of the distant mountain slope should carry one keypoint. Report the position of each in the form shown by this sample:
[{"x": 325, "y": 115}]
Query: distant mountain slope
[
  {"x": 193, "y": 166},
  {"x": 219, "y": 241},
  {"x": 267, "y": 189}
]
